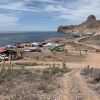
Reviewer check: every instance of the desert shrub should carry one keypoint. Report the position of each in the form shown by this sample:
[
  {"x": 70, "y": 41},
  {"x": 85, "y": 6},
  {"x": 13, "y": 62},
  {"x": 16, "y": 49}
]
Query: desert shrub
[
  {"x": 37, "y": 57},
  {"x": 97, "y": 50},
  {"x": 96, "y": 75},
  {"x": 45, "y": 87},
  {"x": 48, "y": 56},
  {"x": 24, "y": 96},
  {"x": 55, "y": 70},
  {"x": 37, "y": 70},
  {"x": 92, "y": 73},
  {"x": 11, "y": 75},
  {"x": 87, "y": 70},
  {"x": 97, "y": 88},
  {"x": 6, "y": 76},
  {"x": 51, "y": 70},
  {"x": 24, "y": 84},
  {"x": 65, "y": 69},
  {"x": 26, "y": 72}
]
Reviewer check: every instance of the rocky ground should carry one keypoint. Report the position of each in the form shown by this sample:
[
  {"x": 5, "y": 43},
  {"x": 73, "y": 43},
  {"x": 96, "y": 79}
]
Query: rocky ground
[{"x": 32, "y": 84}]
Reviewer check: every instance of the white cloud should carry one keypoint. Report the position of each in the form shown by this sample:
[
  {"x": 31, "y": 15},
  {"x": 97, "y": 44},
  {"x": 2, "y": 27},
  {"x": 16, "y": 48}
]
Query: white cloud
[
  {"x": 75, "y": 10},
  {"x": 7, "y": 20},
  {"x": 18, "y": 6},
  {"x": 21, "y": 5},
  {"x": 48, "y": 1}
]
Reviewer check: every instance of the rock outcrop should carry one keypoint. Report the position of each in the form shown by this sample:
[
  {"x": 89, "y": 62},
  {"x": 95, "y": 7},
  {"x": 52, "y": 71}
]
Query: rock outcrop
[{"x": 90, "y": 26}]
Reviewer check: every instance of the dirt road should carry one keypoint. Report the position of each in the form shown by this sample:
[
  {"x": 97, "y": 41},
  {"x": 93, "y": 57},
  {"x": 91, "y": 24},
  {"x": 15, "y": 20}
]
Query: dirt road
[{"x": 75, "y": 87}]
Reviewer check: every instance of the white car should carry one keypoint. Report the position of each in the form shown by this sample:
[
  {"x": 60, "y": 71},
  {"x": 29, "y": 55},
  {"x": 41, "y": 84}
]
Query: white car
[
  {"x": 10, "y": 46},
  {"x": 27, "y": 50},
  {"x": 3, "y": 57}
]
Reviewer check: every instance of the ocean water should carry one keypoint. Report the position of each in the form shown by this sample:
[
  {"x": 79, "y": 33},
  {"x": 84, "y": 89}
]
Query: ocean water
[{"x": 22, "y": 37}]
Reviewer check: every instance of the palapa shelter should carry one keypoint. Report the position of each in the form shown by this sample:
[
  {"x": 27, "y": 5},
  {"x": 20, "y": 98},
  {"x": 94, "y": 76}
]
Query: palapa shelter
[
  {"x": 2, "y": 50},
  {"x": 8, "y": 53}
]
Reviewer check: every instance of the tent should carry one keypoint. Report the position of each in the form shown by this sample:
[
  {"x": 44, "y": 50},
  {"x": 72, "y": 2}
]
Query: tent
[
  {"x": 52, "y": 44},
  {"x": 54, "y": 47}
]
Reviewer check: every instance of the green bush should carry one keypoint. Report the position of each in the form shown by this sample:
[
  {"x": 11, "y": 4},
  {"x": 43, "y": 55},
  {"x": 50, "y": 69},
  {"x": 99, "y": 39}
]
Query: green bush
[
  {"x": 52, "y": 70},
  {"x": 55, "y": 69}
]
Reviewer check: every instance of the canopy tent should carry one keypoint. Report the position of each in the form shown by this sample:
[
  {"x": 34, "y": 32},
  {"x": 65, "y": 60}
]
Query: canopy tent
[{"x": 52, "y": 44}]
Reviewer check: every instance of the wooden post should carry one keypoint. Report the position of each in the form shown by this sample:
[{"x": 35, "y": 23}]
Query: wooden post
[
  {"x": 3, "y": 67},
  {"x": 86, "y": 52},
  {"x": 21, "y": 54},
  {"x": 80, "y": 53},
  {"x": 11, "y": 62},
  {"x": 64, "y": 66}
]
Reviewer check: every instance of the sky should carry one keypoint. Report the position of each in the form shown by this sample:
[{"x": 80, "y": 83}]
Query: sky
[{"x": 45, "y": 15}]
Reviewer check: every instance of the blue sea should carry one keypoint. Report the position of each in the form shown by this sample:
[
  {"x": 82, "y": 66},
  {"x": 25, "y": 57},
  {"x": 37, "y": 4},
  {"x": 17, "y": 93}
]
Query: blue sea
[{"x": 23, "y": 37}]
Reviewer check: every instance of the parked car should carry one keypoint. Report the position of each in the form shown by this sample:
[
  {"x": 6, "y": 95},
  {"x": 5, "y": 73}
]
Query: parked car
[
  {"x": 10, "y": 46},
  {"x": 35, "y": 49},
  {"x": 3, "y": 57},
  {"x": 18, "y": 45},
  {"x": 27, "y": 50}
]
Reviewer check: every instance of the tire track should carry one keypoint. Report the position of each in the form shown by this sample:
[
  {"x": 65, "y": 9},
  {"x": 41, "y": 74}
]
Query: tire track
[
  {"x": 72, "y": 87},
  {"x": 76, "y": 88}
]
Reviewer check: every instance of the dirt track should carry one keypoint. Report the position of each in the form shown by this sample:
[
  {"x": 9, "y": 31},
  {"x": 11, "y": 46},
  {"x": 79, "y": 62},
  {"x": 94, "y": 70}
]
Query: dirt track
[{"x": 76, "y": 88}]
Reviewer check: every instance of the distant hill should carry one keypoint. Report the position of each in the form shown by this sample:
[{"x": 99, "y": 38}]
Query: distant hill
[{"x": 90, "y": 26}]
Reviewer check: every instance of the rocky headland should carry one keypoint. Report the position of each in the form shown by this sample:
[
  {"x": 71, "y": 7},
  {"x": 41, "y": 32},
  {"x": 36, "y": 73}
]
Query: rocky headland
[{"x": 90, "y": 26}]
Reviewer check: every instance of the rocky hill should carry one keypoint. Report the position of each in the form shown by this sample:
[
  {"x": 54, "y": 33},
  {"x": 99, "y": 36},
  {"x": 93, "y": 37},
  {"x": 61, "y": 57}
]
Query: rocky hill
[{"x": 90, "y": 26}]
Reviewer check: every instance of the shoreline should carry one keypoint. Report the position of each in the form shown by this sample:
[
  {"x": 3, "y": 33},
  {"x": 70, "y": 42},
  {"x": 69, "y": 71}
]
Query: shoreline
[
  {"x": 43, "y": 41},
  {"x": 9, "y": 39}
]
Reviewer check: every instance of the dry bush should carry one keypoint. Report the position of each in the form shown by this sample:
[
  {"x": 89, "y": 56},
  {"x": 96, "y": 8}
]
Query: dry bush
[
  {"x": 93, "y": 74},
  {"x": 34, "y": 84},
  {"x": 46, "y": 88},
  {"x": 87, "y": 70},
  {"x": 55, "y": 69},
  {"x": 93, "y": 78}
]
